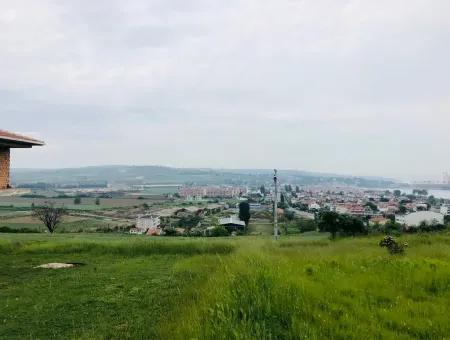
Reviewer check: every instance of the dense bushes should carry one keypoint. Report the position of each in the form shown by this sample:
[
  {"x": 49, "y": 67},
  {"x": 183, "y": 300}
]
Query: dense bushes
[
  {"x": 334, "y": 223},
  {"x": 217, "y": 232},
  {"x": 170, "y": 231},
  {"x": 426, "y": 228},
  {"x": 305, "y": 225},
  {"x": 189, "y": 221},
  {"x": 195, "y": 232},
  {"x": 17, "y": 230},
  {"x": 389, "y": 228}
]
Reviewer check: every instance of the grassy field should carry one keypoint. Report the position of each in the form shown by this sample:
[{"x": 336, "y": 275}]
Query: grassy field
[{"x": 229, "y": 288}]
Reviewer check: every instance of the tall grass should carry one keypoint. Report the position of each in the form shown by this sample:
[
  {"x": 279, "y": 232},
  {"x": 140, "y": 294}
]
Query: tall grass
[
  {"x": 125, "y": 248},
  {"x": 349, "y": 289},
  {"x": 238, "y": 288}
]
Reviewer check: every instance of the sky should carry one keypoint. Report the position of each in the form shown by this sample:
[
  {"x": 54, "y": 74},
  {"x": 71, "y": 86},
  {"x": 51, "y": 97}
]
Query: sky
[{"x": 357, "y": 87}]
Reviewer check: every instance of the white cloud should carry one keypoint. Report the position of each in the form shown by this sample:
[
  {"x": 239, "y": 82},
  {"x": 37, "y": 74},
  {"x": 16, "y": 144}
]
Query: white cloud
[{"x": 341, "y": 86}]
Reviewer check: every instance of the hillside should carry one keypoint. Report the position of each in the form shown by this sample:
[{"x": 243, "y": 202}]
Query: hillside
[
  {"x": 307, "y": 286},
  {"x": 167, "y": 175}
]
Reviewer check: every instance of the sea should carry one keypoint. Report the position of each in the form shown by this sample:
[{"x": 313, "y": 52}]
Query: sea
[{"x": 445, "y": 194}]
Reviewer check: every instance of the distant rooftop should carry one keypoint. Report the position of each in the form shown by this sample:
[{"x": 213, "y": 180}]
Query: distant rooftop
[
  {"x": 14, "y": 140},
  {"x": 231, "y": 220}
]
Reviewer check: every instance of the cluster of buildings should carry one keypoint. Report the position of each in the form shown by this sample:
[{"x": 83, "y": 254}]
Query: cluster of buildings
[
  {"x": 197, "y": 193},
  {"x": 376, "y": 206},
  {"x": 153, "y": 224}
]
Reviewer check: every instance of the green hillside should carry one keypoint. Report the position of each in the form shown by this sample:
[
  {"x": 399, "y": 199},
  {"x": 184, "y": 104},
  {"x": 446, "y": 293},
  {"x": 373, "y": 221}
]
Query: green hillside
[{"x": 230, "y": 288}]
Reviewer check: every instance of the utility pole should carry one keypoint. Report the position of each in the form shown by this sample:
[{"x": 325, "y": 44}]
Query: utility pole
[{"x": 275, "y": 205}]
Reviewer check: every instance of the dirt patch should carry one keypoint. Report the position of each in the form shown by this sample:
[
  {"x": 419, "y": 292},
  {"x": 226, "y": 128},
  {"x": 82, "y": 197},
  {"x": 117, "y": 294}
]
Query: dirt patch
[{"x": 57, "y": 265}]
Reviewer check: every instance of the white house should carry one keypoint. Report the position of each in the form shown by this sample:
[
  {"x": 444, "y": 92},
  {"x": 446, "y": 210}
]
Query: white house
[
  {"x": 415, "y": 219},
  {"x": 445, "y": 210}
]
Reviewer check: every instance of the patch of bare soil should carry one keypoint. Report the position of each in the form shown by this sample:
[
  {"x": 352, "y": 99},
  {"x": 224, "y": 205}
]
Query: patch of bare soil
[{"x": 56, "y": 265}]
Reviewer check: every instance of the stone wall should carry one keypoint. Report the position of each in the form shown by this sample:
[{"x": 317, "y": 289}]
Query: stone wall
[{"x": 4, "y": 168}]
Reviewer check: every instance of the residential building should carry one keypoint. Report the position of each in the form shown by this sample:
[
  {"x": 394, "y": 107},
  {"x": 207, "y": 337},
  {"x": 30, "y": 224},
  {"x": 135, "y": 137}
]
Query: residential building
[
  {"x": 211, "y": 191},
  {"x": 417, "y": 218},
  {"x": 232, "y": 223},
  {"x": 8, "y": 141}
]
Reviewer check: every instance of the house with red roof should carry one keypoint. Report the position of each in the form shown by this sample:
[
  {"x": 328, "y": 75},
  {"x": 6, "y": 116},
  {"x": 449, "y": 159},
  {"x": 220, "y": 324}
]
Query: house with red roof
[{"x": 8, "y": 141}]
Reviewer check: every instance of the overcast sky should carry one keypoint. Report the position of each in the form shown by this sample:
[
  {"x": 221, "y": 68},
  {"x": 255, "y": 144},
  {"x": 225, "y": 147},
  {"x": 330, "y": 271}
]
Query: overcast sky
[{"x": 352, "y": 87}]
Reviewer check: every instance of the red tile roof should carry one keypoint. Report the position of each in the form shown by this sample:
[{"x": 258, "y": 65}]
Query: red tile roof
[{"x": 14, "y": 137}]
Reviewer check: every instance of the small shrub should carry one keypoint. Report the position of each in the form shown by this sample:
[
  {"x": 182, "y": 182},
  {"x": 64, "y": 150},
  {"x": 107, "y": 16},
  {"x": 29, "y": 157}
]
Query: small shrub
[
  {"x": 170, "y": 231},
  {"x": 306, "y": 225},
  {"x": 218, "y": 231},
  {"x": 392, "y": 228},
  {"x": 309, "y": 270},
  {"x": 196, "y": 232},
  {"x": 393, "y": 246}
]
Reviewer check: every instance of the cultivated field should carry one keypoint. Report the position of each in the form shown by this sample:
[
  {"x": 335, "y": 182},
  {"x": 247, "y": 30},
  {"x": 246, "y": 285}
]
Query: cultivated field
[
  {"x": 229, "y": 288},
  {"x": 86, "y": 204}
]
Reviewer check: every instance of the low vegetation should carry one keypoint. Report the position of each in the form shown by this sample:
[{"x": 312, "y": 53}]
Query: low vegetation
[
  {"x": 393, "y": 246},
  {"x": 230, "y": 288}
]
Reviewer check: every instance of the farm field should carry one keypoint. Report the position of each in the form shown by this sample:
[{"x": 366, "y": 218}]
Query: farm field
[
  {"x": 86, "y": 204},
  {"x": 224, "y": 288},
  {"x": 23, "y": 220}
]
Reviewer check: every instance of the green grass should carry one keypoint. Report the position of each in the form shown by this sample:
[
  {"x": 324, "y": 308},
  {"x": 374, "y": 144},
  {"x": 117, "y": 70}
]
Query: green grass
[
  {"x": 314, "y": 288},
  {"x": 87, "y": 225},
  {"x": 233, "y": 288},
  {"x": 127, "y": 287},
  {"x": 260, "y": 227}
]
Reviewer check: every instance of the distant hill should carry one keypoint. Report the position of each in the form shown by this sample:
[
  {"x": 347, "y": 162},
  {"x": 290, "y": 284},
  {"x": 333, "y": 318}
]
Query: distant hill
[{"x": 121, "y": 174}]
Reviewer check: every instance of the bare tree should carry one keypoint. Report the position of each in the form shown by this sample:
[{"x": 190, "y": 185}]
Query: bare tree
[{"x": 50, "y": 215}]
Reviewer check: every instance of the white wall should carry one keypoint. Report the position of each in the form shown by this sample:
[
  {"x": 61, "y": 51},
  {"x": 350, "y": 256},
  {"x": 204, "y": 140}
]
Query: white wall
[{"x": 415, "y": 219}]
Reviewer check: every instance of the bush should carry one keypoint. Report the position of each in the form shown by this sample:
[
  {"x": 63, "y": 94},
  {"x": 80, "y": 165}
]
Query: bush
[
  {"x": 306, "y": 225},
  {"x": 393, "y": 246},
  {"x": 218, "y": 231},
  {"x": 5, "y": 229},
  {"x": 334, "y": 223},
  {"x": 289, "y": 215},
  {"x": 427, "y": 228},
  {"x": 170, "y": 231},
  {"x": 391, "y": 228},
  {"x": 196, "y": 232},
  {"x": 189, "y": 221}
]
